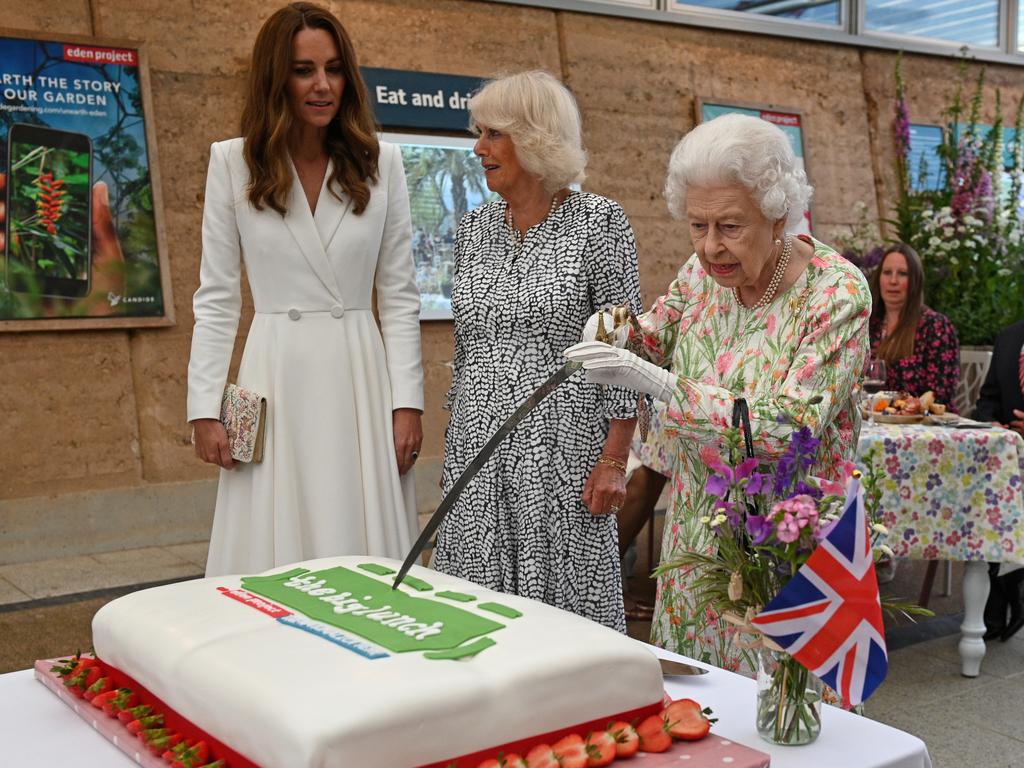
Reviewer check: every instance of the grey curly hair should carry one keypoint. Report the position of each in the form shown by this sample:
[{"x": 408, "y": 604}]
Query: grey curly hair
[
  {"x": 540, "y": 115},
  {"x": 740, "y": 149}
]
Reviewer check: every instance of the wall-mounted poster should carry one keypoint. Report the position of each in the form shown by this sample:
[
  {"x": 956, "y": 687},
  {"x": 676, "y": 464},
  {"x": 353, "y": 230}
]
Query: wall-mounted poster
[
  {"x": 445, "y": 181},
  {"x": 80, "y": 227},
  {"x": 789, "y": 120}
]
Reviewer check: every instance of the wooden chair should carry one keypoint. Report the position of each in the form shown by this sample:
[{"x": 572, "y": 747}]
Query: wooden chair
[{"x": 974, "y": 365}]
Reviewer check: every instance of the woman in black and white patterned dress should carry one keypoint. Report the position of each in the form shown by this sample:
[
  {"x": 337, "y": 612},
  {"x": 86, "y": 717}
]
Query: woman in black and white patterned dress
[{"x": 539, "y": 519}]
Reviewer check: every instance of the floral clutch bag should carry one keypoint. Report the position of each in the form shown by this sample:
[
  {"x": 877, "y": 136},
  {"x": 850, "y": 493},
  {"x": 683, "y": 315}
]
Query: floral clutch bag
[{"x": 244, "y": 415}]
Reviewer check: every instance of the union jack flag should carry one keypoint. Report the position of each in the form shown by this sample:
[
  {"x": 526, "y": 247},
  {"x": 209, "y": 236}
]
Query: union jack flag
[{"x": 829, "y": 616}]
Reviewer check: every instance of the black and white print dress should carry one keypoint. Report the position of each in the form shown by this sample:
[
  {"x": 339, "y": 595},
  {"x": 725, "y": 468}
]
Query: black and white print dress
[{"x": 520, "y": 526}]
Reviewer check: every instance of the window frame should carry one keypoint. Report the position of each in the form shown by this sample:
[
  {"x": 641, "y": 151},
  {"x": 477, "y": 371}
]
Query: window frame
[{"x": 850, "y": 31}]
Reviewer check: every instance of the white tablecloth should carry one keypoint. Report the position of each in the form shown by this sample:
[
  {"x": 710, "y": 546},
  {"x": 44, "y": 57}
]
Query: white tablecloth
[{"x": 38, "y": 729}]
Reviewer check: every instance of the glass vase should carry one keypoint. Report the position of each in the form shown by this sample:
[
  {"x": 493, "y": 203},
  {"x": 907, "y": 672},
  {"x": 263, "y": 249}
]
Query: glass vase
[{"x": 788, "y": 700}]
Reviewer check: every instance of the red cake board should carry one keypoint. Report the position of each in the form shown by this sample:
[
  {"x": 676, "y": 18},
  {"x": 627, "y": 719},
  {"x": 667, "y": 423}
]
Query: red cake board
[{"x": 710, "y": 751}]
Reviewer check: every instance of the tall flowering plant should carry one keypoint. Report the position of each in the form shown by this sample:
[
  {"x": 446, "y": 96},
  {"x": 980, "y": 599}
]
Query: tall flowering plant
[
  {"x": 767, "y": 520},
  {"x": 969, "y": 230}
]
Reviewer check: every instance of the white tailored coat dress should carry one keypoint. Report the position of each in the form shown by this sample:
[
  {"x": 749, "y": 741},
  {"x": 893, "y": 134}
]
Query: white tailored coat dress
[{"x": 328, "y": 483}]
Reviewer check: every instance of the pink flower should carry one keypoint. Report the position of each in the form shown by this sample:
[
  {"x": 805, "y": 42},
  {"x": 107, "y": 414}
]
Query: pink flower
[
  {"x": 724, "y": 363},
  {"x": 771, "y": 323},
  {"x": 787, "y": 530}
]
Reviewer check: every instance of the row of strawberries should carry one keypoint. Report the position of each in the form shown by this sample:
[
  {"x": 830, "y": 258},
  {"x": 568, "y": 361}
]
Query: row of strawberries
[
  {"x": 683, "y": 719},
  {"x": 83, "y": 677}
]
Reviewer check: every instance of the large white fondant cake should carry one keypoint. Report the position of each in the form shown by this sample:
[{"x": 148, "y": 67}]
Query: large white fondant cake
[{"x": 328, "y": 666}]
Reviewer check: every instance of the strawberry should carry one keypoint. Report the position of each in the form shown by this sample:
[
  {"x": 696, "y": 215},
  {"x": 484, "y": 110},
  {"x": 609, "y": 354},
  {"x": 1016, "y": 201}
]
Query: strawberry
[
  {"x": 79, "y": 681},
  {"x": 542, "y": 756},
  {"x": 491, "y": 763},
  {"x": 571, "y": 751},
  {"x": 101, "y": 700},
  {"x": 186, "y": 755},
  {"x": 600, "y": 749},
  {"x": 134, "y": 713},
  {"x": 654, "y": 734},
  {"x": 158, "y": 739},
  {"x": 687, "y": 721},
  {"x": 125, "y": 698},
  {"x": 214, "y": 764},
  {"x": 102, "y": 685},
  {"x": 627, "y": 740},
  {"x": 512, "y": 760},
  {"x": 65, "y": 667},
  {"x": 144, "y": 723}
]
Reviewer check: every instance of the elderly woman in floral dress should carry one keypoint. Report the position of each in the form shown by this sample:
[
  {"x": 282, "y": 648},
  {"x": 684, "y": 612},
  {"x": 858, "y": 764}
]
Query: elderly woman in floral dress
[{"x": 755, "y": 313}]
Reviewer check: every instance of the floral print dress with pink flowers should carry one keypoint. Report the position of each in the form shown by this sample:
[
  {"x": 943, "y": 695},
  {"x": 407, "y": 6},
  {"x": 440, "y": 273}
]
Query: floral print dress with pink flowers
[{"x": 811, "y": 341}]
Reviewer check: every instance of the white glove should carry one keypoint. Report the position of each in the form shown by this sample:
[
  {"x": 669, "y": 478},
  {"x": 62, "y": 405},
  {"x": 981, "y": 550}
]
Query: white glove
[
  {"x": 620, "y": 334},
  {"x": 605, "y": 364}
]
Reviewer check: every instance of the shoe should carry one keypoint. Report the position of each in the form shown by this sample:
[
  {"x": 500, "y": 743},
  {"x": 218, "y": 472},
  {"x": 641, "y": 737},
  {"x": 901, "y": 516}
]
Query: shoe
[
  {"x": 996, "y": 606},
  {"x": 1012, "y": 582}
]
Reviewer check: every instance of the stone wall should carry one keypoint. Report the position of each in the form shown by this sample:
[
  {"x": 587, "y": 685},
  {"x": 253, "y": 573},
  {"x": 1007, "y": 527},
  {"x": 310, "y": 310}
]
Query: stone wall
[{"x": 95, "y": 420}]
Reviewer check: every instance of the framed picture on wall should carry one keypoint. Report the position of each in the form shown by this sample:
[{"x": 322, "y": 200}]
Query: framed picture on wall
[
  {"x": 445, "y": 180},
  {"x": 791, "y": 121},
  {"x": 83, "y": 241}
]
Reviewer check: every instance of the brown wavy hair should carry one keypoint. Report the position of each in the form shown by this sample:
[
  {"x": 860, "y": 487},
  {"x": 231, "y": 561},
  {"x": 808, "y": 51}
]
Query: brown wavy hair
[
  {"x": 900, "y": 343},
  {"x": 267, "y": 119}
]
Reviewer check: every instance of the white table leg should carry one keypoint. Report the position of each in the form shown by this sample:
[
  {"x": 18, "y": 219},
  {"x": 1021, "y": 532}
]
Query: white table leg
[{"x": 972, "y": 647}]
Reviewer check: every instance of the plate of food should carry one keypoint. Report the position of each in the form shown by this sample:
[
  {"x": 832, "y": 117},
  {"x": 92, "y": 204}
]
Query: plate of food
[{"x": 903, "y": 408}]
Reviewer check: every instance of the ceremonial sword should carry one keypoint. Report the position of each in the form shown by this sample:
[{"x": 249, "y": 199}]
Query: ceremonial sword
[{"x": 545, "y": 389}]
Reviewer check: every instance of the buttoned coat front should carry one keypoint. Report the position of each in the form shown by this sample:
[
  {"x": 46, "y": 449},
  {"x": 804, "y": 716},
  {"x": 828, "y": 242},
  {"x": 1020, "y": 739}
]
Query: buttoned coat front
[{"x": 329, "y": 483}]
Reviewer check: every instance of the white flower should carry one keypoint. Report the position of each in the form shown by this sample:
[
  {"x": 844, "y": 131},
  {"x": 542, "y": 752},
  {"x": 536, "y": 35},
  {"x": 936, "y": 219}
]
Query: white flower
[
  {"x": 879, "y": 528},
  {"x": 1004, "y": 272},
  {"x": 705, "y": 519},
  {"x": 884, "y": 549},
  {"x": 933, "y": 241}
]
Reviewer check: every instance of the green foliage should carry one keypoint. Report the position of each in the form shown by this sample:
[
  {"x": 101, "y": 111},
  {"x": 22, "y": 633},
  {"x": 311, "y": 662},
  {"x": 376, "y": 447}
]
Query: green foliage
[{"x": 969, "y": 232}]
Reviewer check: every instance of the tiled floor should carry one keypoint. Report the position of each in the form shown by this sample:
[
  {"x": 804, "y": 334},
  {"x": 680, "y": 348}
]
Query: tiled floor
[
  {"x": 46, "y": 609},
  {"x": 21, "y": 582}
]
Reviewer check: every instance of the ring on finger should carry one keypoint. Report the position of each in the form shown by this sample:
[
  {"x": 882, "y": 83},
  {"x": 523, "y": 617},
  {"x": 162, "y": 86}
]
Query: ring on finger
[
  {"x": 614, "y": 509},
  {"x": 415, "y": 455}
]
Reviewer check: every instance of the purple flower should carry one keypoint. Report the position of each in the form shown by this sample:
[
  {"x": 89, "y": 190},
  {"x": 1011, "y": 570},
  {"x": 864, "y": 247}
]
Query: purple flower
[
  {"x": 759, "y": 528},
  {"x": 901, "y": 127},
  {"x": 719, "y": 485},
  {"x": 803, "y": 446}
]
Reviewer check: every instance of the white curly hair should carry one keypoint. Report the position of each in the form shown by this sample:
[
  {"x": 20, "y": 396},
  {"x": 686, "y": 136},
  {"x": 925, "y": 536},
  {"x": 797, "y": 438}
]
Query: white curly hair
[
  {"x": 740, "y": 149},
  {"x": 540, "y": 115}
]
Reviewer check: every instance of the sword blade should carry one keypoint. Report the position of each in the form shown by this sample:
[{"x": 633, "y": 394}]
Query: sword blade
[{"x": 550, "y": 385}]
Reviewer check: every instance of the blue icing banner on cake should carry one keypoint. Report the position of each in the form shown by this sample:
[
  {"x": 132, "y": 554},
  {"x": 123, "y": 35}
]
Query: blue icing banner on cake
[{"x": 372, "y": 610}]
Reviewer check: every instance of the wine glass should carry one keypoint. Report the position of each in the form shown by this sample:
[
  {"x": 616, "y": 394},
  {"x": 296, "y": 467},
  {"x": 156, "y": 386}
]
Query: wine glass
[{"x": 874, "y": 382}]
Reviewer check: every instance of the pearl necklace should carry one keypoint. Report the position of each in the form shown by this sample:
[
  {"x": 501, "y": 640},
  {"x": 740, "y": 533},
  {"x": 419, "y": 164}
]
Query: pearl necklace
[
  {"x": 773, "y": 286},
  {"x": 516, "y": 236}
]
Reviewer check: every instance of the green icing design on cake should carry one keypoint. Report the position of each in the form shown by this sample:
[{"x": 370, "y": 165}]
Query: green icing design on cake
[
  {"x": 501, "y": 610},
  {"x": 380, "y": 570},
  {"x": 418, "y": 584},
  {"x": 460, "y": 597},
  {"x": 373, "y": 610},
  {"x": 463, "y": 651}
]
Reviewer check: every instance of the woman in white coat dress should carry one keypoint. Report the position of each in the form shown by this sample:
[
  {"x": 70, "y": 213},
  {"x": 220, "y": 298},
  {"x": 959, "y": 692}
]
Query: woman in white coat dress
[{"x": 318, "y": 212}]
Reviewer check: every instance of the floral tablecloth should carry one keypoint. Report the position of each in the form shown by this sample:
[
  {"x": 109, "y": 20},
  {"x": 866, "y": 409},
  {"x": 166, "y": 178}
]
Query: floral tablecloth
[{"x": 951, "y": 494}]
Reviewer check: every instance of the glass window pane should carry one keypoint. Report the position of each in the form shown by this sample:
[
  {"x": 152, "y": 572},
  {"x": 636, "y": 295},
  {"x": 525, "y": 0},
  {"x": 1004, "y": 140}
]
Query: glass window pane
[
  {"x": 1020, "y": 26},
  {"x": 817, "y": 11},
  {"x": 974, "y": 22}
]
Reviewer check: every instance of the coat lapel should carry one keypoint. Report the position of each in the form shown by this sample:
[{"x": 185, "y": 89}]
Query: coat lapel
[
  {"x": 330, "y": 210},
  {"x": 300, "y": 223}
]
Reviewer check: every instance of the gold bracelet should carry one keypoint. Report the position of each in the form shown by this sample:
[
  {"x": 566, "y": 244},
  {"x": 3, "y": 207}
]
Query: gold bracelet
[{"x": 608, "y": 460}]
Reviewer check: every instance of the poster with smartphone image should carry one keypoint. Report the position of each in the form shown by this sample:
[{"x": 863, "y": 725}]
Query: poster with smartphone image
[{"x": 80, "y": 225}]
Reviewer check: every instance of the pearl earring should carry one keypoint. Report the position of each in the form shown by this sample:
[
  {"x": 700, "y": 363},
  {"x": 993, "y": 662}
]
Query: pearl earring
[{"x": 778, "y": 242}]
